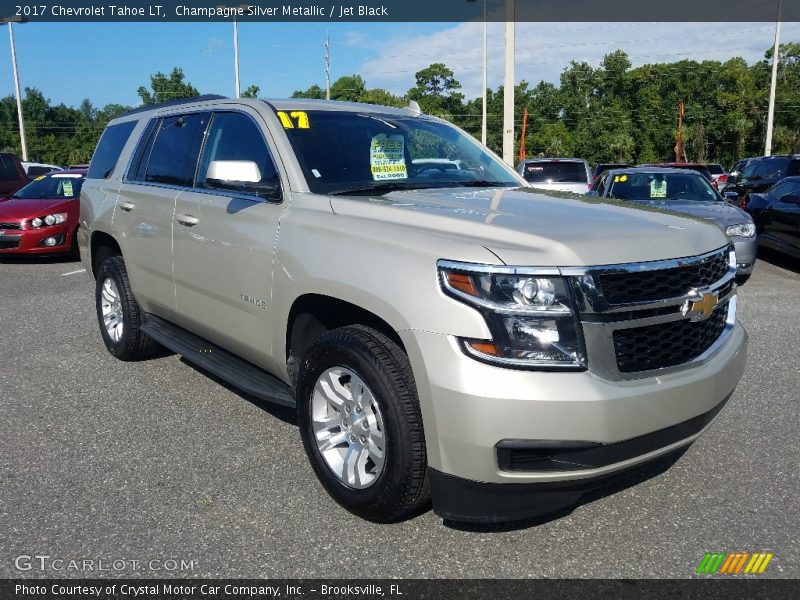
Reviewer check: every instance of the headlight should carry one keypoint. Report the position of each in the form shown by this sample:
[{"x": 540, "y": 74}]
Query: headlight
[
  {"x": 746, "y": 230},
  {"x": 54, "y": 219},
  {"x": 530, "y": 316}
]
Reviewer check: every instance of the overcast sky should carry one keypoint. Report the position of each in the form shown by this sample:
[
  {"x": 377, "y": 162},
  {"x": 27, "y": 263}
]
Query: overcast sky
[{"x": 107, "y": 62}]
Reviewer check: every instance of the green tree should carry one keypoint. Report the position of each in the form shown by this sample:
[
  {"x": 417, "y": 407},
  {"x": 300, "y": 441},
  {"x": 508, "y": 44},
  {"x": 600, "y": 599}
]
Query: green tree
[
  {"x": 348, "y": 88},
  {"x": 251, "y": 92},
  {"x": 166, "y": 88}
]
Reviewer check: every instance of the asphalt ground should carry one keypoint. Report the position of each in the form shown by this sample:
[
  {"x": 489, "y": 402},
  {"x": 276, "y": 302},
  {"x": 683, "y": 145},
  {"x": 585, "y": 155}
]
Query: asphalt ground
[{"x": 155, "y": 461}]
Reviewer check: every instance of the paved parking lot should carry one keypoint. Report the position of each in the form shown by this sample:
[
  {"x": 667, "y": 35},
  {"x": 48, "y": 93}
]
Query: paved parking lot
[{"x": 155, "y": 461}]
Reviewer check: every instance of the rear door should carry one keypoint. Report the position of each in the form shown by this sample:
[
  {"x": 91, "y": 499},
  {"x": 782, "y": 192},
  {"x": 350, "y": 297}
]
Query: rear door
[
  {"x": 225, "y": 238},
  {"x": 164, "y": 163},
  {"x": 783, "y": 219}
]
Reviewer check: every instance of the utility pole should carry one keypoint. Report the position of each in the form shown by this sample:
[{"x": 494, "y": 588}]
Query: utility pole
[
  {"x": 508, "y": 88},
  {"x": 771, "y": 111},
  {"x": 328, "y": 66},
  {"x": 522, "y": 135},
  {"x": 23, "y": 143},
  {"x": 679, "y": 138}
]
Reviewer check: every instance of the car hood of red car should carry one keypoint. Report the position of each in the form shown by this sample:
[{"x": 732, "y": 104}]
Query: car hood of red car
[{"x": 23, "y": 208}]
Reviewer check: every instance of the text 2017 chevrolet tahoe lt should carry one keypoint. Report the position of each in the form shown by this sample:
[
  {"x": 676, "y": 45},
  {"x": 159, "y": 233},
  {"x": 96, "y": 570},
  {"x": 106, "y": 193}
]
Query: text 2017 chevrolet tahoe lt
[{"x": 444, "y": 333}]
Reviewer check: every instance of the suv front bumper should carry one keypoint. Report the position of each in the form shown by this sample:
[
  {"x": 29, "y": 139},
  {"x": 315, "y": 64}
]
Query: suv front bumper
[{"x": 469, "y": 408}]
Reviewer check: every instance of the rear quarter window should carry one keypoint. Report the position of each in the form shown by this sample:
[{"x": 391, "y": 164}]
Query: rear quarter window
[{"x": 108, "y": 150}]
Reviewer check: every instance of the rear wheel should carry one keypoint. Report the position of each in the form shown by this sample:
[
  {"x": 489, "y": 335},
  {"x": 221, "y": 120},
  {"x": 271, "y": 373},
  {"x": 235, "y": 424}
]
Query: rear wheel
[
  {"x": 118, "y": 313},
  {"x": 361, "y": 426}
]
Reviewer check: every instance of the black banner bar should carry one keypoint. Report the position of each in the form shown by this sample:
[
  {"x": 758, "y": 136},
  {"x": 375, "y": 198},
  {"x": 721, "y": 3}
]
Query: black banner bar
[
  {"x": 336, "y": 11},
  {"x": 716, "y": 588}
]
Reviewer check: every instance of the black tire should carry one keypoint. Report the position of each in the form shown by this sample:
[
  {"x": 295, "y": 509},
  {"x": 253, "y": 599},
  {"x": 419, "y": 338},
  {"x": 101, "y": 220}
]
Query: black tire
[
  {"x": 402, "y": 489},
  {"x": 742, "y": 279},
  {"x": 74, "y": 251},
  {"x": 133, "y": 344}
]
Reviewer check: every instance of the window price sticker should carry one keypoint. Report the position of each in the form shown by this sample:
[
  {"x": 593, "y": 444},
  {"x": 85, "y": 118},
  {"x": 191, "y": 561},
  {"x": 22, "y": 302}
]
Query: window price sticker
[
  {"x": 658, "y": 189},
  {"x": 387, "y": 158}
]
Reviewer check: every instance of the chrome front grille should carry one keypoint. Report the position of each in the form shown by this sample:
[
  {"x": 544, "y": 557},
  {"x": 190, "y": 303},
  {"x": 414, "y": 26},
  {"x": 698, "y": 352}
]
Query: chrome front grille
[
  {"x": 667, "y": 344},
  {"x": 640, "y": 319},
  {"x": 659, "y": 284}
]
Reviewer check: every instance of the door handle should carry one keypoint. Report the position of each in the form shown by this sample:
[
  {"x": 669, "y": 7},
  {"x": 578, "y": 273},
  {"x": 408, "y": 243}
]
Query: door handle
[
  {"x": 187, "y": 220},
  {"x": 126, "y": 206}
]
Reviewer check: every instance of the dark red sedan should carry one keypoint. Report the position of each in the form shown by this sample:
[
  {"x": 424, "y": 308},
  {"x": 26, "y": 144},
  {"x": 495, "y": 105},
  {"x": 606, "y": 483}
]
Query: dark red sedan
[{"x": 42, "y": 217}]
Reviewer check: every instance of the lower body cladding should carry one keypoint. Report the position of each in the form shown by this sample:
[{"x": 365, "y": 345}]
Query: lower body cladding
[{"x": 507, "y": 444}]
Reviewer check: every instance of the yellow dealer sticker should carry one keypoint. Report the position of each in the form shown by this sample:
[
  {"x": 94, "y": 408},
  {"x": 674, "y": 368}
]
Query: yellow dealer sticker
[
  {"x": 387, "y": 158},
  {"x": 294, "y": 119}
]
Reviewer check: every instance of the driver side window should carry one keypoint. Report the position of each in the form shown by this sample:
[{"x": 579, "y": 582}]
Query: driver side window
[{"x": 234, "y": 139}]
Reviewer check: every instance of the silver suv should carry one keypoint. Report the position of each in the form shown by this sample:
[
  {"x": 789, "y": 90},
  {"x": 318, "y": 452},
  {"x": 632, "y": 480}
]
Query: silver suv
[{"x": 444, "y": 333}]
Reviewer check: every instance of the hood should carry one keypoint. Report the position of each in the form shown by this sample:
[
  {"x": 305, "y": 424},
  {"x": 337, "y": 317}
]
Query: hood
[
  {"x": 721, "y": 213},
  {"x": 524, "y": 226},
  {"x": 16, "y": 209}
]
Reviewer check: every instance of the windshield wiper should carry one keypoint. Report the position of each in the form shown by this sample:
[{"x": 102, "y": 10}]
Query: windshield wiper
[
  {"x": 385, "y": 188},
  {"x": 481, "y": 183}
]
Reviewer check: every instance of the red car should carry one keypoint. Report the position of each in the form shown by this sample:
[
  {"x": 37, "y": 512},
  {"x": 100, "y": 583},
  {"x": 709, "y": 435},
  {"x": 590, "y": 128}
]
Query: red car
[{"x": 42, "y": 217}]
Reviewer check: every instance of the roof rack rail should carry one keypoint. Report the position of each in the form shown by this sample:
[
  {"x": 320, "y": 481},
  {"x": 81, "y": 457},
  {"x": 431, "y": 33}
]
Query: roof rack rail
[{"x": 178, "y": 102}]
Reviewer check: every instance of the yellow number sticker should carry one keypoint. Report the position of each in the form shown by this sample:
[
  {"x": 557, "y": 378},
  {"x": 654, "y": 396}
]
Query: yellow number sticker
[
  {"x": 39, "y": 178},
  {"x": 295, "y": 119}
]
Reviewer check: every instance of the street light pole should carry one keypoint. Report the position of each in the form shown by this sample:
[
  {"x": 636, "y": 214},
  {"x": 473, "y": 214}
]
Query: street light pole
[
  {"x": 771, "y": 111},
  {"x": 236, "y": 53},
  {"x": 508, "y": 88},
  {"x": 485, "y": 74},
  {"x": 16, "y": 88}
]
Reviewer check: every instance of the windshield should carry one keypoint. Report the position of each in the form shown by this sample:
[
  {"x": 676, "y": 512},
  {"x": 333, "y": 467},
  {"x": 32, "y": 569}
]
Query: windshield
[
  {"x": 662, "y": 186},
  {"x": 52, "y": 186},
  {"x": 342, "y": 151},
  {"x": 555, "y": 171},
  {"x": 715, "y": 169}
]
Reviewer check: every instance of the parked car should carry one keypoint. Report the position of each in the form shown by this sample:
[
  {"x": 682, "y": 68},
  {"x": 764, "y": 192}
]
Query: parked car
[
  {"x": 718, "y": 173},
  {"x": 776, "y": 213},
  {"x": 761, "y": 173},
  {"x": 34, "y": 169},
  {"x": 448, "y": 334},
  {"x": 700, "y": 168},
  {"x": 12, "y": 174},
  {"x": 736, "y": 170},
  {"x": 559, "y": 174},
  {"x": 602, "y": 168},
  {"x": 42, "y": 216},
  {"x": 686, "y": 192}
]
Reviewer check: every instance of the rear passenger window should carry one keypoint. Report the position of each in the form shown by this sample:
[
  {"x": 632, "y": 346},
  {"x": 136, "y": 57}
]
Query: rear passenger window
[
  {"x": 108, "y": 150},
  {"x": 235, "y": 137},
  {"x": 173, "y": 158}
]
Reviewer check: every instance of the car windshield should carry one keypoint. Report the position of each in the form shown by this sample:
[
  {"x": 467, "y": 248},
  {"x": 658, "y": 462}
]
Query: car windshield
[
  {"x": 52, "y": 186},
  {"x": 555, "y": 171},
  {"x": 655, "y": 187},
  {"x": 350, "y": 152},
  {"x": 715, "y": 169}
]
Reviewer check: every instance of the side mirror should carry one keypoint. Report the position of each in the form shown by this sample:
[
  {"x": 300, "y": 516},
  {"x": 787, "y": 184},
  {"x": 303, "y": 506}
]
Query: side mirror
[{"x": 241, "y": 176}]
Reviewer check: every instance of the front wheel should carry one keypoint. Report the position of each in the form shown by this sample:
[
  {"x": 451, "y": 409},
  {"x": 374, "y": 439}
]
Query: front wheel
[
  {"x": 118, "y": 313},
  {"x": 361, "y": 425}
]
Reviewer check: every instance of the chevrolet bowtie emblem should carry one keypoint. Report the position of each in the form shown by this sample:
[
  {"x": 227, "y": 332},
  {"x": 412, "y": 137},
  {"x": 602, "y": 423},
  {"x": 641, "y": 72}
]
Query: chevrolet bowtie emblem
[{"x": 700, "y": 305}]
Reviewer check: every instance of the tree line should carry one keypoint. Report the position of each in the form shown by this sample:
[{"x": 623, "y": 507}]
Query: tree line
[{"x": 612, "y": 112}]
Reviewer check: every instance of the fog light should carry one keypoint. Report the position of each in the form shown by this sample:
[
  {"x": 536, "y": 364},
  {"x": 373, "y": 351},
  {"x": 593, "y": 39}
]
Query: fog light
[{"x": 51, "y": 241}]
